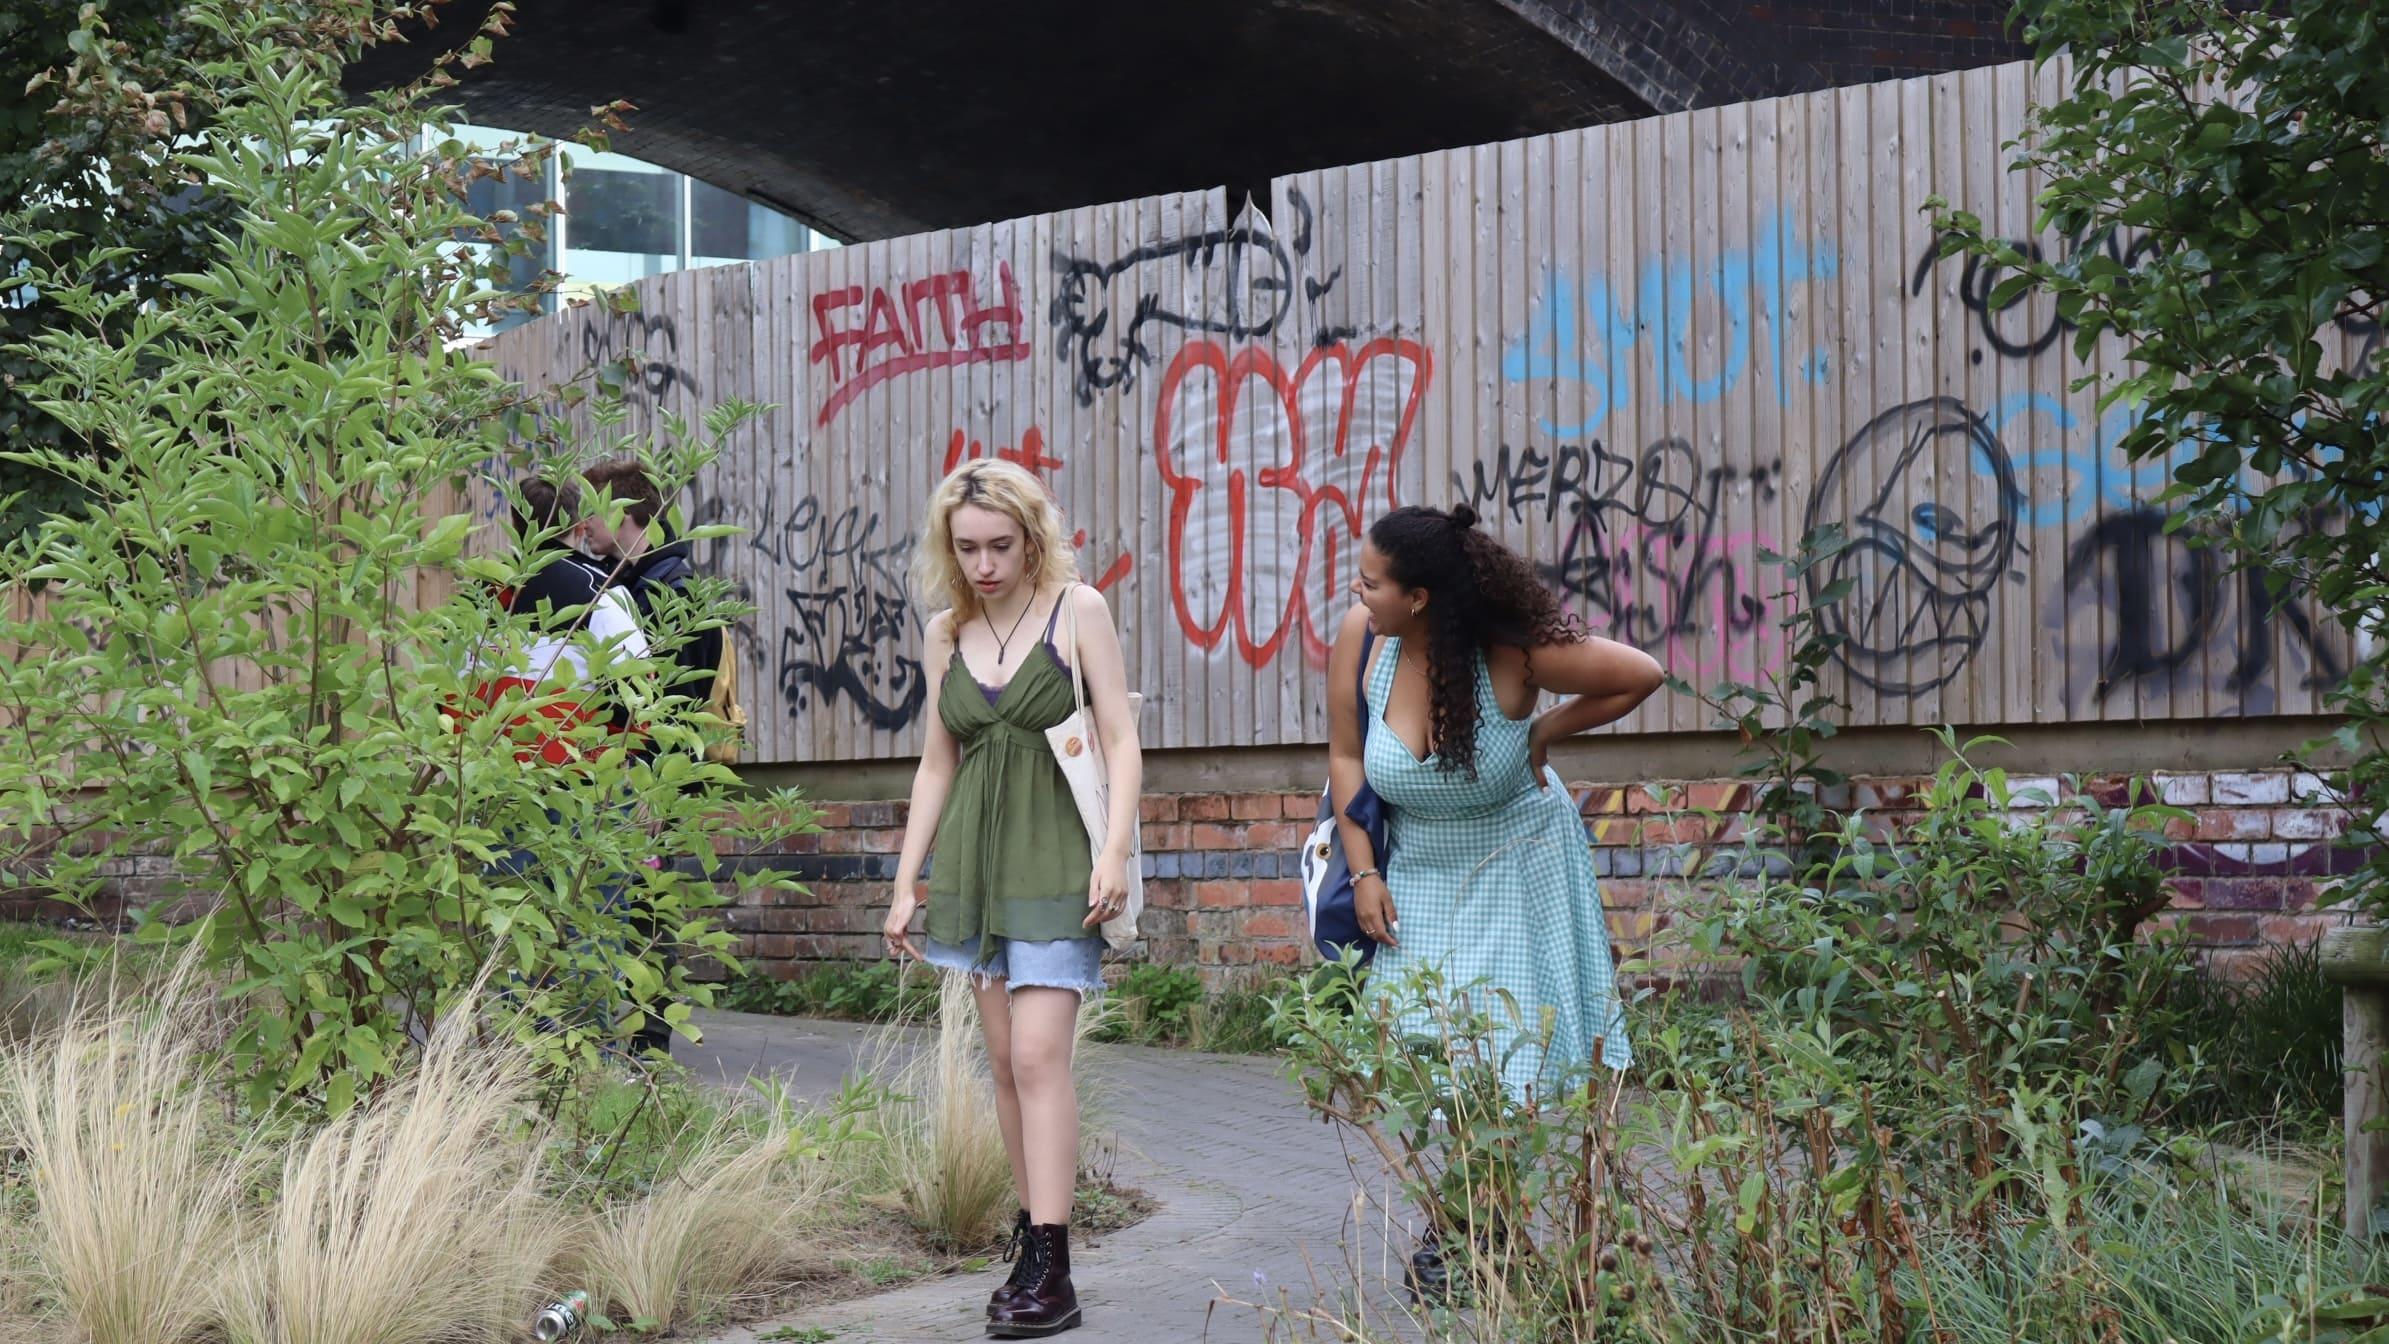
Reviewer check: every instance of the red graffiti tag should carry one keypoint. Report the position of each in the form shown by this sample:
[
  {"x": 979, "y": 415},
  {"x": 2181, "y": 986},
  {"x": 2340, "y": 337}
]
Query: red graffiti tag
[
  {"x": 1031, "y": 454},
  {"x": 1267, "y": 501},
  {"x": 931, "y": 323}
]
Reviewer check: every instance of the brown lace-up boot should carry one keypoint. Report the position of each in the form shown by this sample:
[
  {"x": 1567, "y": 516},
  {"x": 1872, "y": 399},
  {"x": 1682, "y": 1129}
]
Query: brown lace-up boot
[
  {"x": 1045, "y": 1304},
  {"x": 1016, "y": 1251}
]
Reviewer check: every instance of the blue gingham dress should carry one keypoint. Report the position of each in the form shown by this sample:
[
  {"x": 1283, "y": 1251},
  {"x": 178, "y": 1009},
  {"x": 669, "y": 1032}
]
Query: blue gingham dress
[{"x": 1493, "y": 885}]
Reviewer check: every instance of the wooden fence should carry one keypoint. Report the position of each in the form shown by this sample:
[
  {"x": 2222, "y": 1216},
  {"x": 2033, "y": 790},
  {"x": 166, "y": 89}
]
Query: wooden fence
[{"x": 1648, "y": 353}]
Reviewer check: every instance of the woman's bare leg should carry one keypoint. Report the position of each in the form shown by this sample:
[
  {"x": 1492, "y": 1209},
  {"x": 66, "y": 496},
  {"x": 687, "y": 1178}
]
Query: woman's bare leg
[
  {"x": 1044, "y": 1026},
  {"x": 995, "y": 1021}
]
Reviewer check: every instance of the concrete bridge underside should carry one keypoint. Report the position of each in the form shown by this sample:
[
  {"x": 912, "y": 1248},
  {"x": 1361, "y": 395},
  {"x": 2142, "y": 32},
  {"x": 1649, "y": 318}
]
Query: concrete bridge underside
[{"x": 872, "y": 118}]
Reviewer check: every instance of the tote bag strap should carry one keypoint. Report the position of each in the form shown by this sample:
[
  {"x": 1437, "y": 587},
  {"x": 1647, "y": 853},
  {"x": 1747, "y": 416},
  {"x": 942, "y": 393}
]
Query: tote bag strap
[{"x": 1078, "y": 680}]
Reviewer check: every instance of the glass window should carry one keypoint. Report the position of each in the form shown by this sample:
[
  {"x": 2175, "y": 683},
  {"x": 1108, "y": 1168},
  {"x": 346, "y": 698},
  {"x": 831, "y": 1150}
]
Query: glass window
[
  {"x": 726, "y": 228},
  {"x": 622, "y": 220},
  {"x": 624, "y": 212}
]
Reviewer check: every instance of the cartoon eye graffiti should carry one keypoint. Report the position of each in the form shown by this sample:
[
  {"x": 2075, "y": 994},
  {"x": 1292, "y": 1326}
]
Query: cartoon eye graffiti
[{"x": 1930, "y": 496}]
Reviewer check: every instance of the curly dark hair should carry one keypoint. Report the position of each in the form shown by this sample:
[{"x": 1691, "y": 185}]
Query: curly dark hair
[{"x": 1480, "y": 594}]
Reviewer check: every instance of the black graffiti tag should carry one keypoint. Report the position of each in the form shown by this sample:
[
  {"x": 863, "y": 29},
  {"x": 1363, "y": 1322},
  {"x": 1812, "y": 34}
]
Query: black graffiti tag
[
  {"x": 2170, "y": 600},
  {"x": 1646, "y": 554},
  {"x": 852, "y": 641},
  {"x": 647, "y": 346},
  {"x": 1237, "y": 282},
  {"x": 850, "y": 629},
  {"x": 1927, "y": 545},
  {"x": 2014, "y": 335}
]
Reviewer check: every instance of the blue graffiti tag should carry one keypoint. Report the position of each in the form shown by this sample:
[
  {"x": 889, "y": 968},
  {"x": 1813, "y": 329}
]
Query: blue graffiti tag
[
  {"x": 1591, "y": 333},
  {"x": 2098, "y": 477}
]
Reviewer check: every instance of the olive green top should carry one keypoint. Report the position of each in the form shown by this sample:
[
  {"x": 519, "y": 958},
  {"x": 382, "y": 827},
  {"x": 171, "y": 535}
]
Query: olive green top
[{"x": 1012, "y": 855}]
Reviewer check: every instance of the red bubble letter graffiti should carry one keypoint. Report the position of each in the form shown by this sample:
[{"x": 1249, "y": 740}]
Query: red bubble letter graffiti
[{"x": 1271, "y": 475}]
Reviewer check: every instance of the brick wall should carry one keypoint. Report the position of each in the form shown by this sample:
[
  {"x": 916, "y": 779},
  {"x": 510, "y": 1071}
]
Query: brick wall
[
  {"x": 2250, "y": 864},
  {"x": 148, "y": 878},
  {"x": 1858, "y": 41}
]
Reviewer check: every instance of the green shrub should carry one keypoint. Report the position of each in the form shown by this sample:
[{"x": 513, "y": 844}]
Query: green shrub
[
  {"x": 238, "y": 672},
  {"x": 1751, "y": 1185},
  {"x": 1996, "y": 946},
  {"x": 875, "y": 991},
  {"x": 1151, "y": 1004},
  {"x": 1943, "y": 1078}
]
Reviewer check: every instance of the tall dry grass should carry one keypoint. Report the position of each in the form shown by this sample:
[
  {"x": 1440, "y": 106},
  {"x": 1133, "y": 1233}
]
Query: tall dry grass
[
  {"x": 150, "y": 1213},
  {"x": 416, "y": 1217},
  {"x": 944, "y": 1158},
  {"x": 135, "y": 1178},
  {"x": 725, "y": 1229}
]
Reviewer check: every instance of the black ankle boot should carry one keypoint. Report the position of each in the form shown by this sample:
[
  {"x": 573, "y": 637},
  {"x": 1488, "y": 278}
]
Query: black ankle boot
[
  {"x": 1045, "y": 1304},
  {"x": 1016, "y": 1251}
]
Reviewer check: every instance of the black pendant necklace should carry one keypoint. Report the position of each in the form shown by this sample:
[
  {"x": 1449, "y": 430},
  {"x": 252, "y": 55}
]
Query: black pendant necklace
[{"x": 1003, "y": 642}]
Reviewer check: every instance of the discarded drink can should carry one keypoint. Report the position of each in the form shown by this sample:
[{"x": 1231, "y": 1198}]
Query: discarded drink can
[{"x": 562, "y": 1317}]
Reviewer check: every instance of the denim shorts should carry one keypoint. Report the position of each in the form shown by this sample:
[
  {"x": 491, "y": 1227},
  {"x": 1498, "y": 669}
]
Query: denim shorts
[{"x": 1064, "y": 963}]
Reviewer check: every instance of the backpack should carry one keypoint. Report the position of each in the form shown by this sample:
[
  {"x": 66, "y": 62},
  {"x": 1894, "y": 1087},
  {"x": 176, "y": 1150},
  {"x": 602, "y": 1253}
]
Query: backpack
[{"x": 721, "y": 698}]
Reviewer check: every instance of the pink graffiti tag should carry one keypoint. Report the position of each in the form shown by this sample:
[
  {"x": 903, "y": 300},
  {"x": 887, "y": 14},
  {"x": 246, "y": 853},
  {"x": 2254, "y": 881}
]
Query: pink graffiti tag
[
  {"x": 1685, "y": 593},
  {"x": 1268, "y": 497}
]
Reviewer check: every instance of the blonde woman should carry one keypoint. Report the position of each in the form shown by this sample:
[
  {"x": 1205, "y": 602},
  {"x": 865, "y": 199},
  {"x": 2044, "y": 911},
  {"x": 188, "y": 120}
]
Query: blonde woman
[{"x": 1015, "y": 901}]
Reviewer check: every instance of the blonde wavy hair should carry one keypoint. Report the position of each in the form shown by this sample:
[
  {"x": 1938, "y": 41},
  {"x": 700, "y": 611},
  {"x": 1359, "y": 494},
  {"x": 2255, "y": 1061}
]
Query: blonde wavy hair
[{"x": 1000, "y": 487}]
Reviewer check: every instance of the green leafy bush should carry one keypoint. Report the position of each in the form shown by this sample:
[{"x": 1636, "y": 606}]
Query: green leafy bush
[
  {"x": 1152, "y": 1003},
  {"x": 875, "y": 991},
  {"x": 238, "y": 668},
  {"x": 1997, "y": 945},
  {"x": 1758, "y": 1180}
]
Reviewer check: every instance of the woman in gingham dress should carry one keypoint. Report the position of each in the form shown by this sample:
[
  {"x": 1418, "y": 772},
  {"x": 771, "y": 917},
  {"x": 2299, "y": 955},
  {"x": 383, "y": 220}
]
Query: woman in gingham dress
[{"x": 1490, "y": 881}]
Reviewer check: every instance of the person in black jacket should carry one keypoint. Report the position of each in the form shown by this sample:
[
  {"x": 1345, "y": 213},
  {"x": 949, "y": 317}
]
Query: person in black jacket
[
  {"x": 656, "y": 576},
  {"x": 570, "y": 594}
]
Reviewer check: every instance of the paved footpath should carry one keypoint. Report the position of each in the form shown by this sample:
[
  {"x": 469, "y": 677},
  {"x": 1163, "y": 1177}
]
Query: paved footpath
[{"x": 1256, "y": 1198}]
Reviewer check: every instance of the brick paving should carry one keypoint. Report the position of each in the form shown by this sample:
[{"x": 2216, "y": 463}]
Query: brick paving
[{"x": 1254, "y": 1196}]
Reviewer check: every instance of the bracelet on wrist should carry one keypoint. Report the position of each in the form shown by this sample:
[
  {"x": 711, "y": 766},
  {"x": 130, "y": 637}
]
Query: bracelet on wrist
[{"x": 1368, "y": 872}]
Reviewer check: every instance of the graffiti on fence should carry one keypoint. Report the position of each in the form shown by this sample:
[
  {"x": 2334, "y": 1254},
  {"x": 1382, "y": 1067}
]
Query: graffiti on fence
[
  {"x": 1238, "y": 283},
  {"x": 849, "y": 630},
  {"x": 1648, "y": 556},
  {"x": 1925, "y": 551},
  {"x": 2166, "y": 600},
  {"x": 1272, "y": 472},
  {"x": 1606, "y": 337},
  {"x": 934, "y": 322},
  {"x": 2014, "y": 325},
  {"x": 646, "y": 349},
  {"x": 2021, "y": 325}
]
